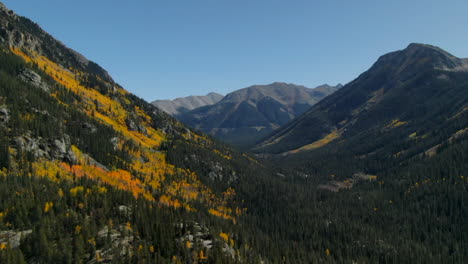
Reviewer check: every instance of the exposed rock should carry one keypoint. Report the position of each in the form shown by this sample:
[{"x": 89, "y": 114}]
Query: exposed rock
[
  {"x": 197, "y": 234},
  {"x": 51, "y": 149},
  {"x": 89, "y": 128},
  {"x": 35, "y": 39},
  {"x": 33, "y": 78},
  {"x": 4, "y": 114},
  {"x": 125, "y": 210},
  {"x": 121, "y": 243},
  {"x": 61, "y": 150},
  {"x": 13, "y": 238},
  {"x": 115, "y": 143},
  {"x": 42, "y": 112},
  {"x": 6, "y": 10},
  {"x": 134, "y": 125},
  {"x": 217, "y": 172}
]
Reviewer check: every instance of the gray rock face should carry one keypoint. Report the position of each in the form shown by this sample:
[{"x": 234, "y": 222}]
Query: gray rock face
[
  {"x": 50, "y": 149},
  {"x": 31, "y": 77},
  {"x": 12, "y": 237},
  {"x": 32, "y": 38},
  {"x": 184, "y": 104},
  {"x": 115, "y": 143},
  {"x": 121, "y": 243},
  {"x": 216, "y": 172},
  {"x": 134, "y": 125},
  {"x": 89, "y": 128},
  {"x": 4, "y": 115}
]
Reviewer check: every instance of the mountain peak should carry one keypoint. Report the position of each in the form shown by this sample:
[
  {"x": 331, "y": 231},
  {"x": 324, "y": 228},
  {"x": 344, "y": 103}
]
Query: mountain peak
[
  {"x": 3, "y": 7},
  {"x": 417, "y": 48},
  {"x": 415, "y": 45},
  {"x": 417, "y": 57}
]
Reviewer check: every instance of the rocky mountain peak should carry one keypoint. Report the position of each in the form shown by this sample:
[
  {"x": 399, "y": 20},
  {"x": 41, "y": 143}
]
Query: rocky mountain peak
[
  {"x": 417, "y": 57},
  {"x": 5, "y": 9},
  {"x": 20, "y": 32}
]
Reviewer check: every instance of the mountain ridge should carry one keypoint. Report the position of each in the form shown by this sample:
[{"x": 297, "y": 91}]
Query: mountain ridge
[
  {"x": 184, "y": 104},
  {"x": 245, "y": 115},
  {"x": 387, "y": 75},
  {"x": 65, "y": 122},
  {"x": 90, "y": 173}
]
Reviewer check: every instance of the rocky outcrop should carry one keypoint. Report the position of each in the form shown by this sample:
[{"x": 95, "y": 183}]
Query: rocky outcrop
[
  {"x": 134, "y": 125},
  {"x": 218, "y": 173},
  {"x": 57, "y": 149},
  {"x": 12, "y": 238},
  {"x": 89, "y": 128},
  {"x": 33, "y": 78},
  {"x": 215, "y": 171},
  {"x": 20, "y": 32},
  {"x": 4, "y": 114}
]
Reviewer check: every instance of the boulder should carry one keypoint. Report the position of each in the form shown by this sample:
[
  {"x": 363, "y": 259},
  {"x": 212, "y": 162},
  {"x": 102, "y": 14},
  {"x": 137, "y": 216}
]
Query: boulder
[{"x": 33, "y": 78}]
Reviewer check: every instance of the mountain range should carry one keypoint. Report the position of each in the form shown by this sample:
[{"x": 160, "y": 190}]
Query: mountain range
[
  {"x": 405, "y": 90},
  {"x": 244, "y": 116},
  {"x": 184, "y": 104},
  {"x": 89, "y": 173}
]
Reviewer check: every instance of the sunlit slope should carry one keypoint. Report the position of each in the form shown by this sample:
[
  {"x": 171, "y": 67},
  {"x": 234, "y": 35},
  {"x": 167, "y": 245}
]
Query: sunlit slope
[{"x": 132, "y": 158}]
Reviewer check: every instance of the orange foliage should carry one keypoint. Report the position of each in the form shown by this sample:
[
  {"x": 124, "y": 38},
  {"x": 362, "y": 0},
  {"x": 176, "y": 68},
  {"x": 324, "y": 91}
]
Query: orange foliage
[
  {"x": 168, "y": 201},
  {"x": 188, "y": 244},
  {"x": 48, "y": 206},
  {"x": 184, "y": 189},
  {"x": 75, "y": 190},
  {"x": 128, "y": 226},
  {"x": 109, "y": 111},
  {"x": 224, "y": 236},
  {"x": 120, "y": 179},
  {"x": 202, "y": 256},
  {"x": 48, "y": 169},
  {"x": 220, "y": 212},
  {"x": 228, "y": 157}
]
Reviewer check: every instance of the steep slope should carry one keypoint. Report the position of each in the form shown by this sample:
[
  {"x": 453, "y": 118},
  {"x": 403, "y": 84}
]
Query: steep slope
[
  {"x": 246, "y": 115},
  {"x": 90, "y": 173},
  {"x": 416, "y": 91},
  {"x": 384, "y": 160},
  {"x": 184, "y": 104},
  {"x": 101, "y": 166}
]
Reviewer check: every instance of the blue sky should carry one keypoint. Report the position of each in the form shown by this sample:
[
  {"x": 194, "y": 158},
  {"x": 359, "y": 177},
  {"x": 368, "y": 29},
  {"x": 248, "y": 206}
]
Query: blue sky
[{"x": 163, "y": 49}]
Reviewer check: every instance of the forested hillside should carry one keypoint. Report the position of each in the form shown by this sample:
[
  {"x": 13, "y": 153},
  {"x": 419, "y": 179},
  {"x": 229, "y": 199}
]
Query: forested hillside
[
  {"x": 81, "y": 155},
  {"x": 90, "y": 173}
]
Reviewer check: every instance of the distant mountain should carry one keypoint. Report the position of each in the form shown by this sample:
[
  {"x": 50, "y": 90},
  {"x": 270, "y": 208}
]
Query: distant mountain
[
  {"x": 407, "y": 96},
  {"x": 246, "y": 115},
  {"x": 90, "y": 173},
  {"x": 184, "y": 104}
]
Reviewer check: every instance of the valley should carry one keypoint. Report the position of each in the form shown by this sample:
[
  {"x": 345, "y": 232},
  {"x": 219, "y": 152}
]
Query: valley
[{"x": 373, "y": 171}]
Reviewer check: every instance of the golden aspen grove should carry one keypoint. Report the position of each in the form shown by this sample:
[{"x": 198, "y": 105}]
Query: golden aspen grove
[{"x": 373, "y": 171}]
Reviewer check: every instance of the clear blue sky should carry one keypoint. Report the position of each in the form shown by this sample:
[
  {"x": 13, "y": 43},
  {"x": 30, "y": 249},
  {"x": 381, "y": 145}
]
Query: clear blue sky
[{"x": 161, "y": 49}]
